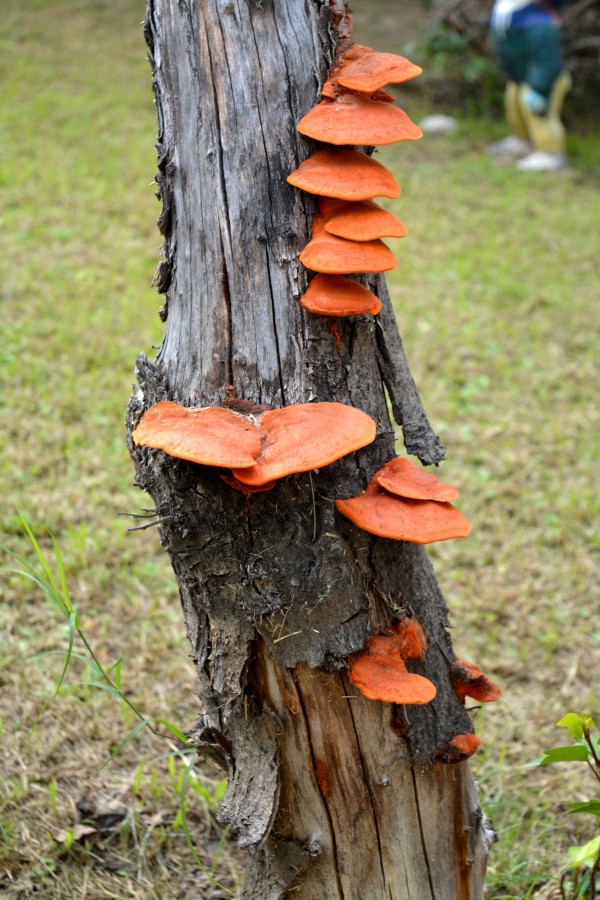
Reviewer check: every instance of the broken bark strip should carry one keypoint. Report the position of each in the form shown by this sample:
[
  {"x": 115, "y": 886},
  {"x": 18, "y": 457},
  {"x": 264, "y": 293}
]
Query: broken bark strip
[
  {"x": 333, "y": 794},
  {"x": 419, "y": 437}
]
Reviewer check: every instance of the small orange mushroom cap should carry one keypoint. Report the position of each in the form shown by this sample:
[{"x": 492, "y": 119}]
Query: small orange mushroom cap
[
  {"x": 469, "y": 681},
  {"x": 380, "y": 673},
  {"x": 406, "y": 640},
  {"x": 364, "y": 221},
  {"x": 403, "y": 519},
  {"x": 345, "y": 174},
  {"x": 403, "y": 477},
  {"x": 458, "y": 748},
  {"x": 210, "y": 435},
  {"x": 412, "y": 640},
  {"x": 354, "y": 119},
  {"x": 332, "y": 255},
  {"x": 334, "y": 295},
  {"x": 366, "y": 70},
  {"x": 306, "y": 436},
  {"x": 383, "y": 678}
]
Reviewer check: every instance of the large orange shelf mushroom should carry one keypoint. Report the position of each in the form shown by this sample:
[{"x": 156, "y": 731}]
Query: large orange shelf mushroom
[
  {"x": 379, "y": 671},
  {"x": 354, "y": 119},
  {"x": 306, "y": 436},
  {"x": 335, "y": 295},
  {"x": 366, "y": 70},
  {"x": 345, "y": 174},
  {"x": 403, "y": 519},
  {"x": 332, "y": 255},
  {"x": 211, "y": 435},
  {"x": 403, "y": 477},
  {"x": 364, "y": 221},
  {"x": 261, "y": 449}
]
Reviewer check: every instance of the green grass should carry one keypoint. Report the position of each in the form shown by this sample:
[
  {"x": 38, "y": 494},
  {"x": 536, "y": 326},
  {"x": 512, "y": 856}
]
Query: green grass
[{"x": 496, "y": 297}]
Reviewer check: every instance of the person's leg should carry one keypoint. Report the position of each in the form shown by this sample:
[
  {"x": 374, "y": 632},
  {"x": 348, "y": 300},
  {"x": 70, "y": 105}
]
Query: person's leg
[
  {"x": 509, "y": 47},
  {"x": 541, "y": 98},
  {"x": 514, "y": 113}
]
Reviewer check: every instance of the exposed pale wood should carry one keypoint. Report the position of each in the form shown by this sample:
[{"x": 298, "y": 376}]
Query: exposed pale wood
[
  {"x": 393, "y": 829},
  {"x": 277, "y": 590}
]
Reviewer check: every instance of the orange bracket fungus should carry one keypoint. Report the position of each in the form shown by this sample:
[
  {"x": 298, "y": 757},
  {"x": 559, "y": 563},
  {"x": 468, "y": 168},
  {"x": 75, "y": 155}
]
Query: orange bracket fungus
[
  {"x": 306, "y": 436},
  {"x": 335, "y": 295},
  {"x": 379, "y": 671},
  {"x": 403, "y": 519},
  {"x": 469, "y": 681},
  {"x": 403, "y": 477},
  {"x": 210, "y": 435},
  {"x": 332, "y": 255},
  {"x": 366, "y": 70},
  {"x": 354, "y": 119},
  {"x": 363, "y": 221},
  {"x": 346, "y": 235},
  {"x": 345, "y": 174}
]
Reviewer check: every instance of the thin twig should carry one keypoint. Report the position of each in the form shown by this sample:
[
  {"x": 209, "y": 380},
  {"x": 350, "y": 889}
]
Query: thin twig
[{"x": 150, "y": 524}]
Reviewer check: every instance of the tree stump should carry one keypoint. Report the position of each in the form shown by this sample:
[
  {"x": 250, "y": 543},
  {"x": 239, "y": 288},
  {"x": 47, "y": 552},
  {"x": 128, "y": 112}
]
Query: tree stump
[{"x": 332, "y": 794}]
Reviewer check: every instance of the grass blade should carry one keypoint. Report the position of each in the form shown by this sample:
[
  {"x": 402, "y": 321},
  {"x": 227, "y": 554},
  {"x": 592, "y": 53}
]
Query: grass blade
[
  {"x": 135, "y": 730},
  {"x": 39, "y": 553},
  {"x": 176, "y": 731},
  {"x": 68, "y": 652},
  {"x": 66, "y": 597}
]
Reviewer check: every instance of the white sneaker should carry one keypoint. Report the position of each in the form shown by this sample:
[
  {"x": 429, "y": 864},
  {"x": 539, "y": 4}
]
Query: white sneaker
[
  {"x": 542, "y": 162},
  {"x": 513, "y": 147}
]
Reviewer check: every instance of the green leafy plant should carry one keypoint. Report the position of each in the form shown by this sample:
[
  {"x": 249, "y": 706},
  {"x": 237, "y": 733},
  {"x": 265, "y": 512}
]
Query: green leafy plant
[
  {"x": 50, "y": 577},
  {"x": 580, "y": 880}
]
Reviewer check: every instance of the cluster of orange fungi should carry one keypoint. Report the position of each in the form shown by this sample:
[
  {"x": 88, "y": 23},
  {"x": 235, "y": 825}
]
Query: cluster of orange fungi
[
  {"x": 379, "y": 672},
  {"x": 260, "y": 446},
  {"x": 406, "y": 503},
  {"x": 347, "y": 230}
]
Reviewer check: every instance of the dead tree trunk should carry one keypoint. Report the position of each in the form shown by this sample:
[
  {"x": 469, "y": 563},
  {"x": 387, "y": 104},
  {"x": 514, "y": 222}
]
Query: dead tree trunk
[{"x": 334, "y": 795}]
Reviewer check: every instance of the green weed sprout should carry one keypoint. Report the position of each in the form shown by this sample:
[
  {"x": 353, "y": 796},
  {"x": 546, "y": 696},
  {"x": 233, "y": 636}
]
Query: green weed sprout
[
  {"x": 54, "y": 586},
  {"x": 583, "y": 869}
]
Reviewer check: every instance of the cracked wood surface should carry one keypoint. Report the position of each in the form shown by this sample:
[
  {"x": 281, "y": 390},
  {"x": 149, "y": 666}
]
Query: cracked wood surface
[{"x": 334, "y": 795}]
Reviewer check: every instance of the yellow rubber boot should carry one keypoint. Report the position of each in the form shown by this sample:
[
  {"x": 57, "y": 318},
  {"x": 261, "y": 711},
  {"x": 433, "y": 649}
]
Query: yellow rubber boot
[
  {"x": 547, "y": 133},
  {"x": 517, "y": 144},
  {"x": 560, "y": 89},
  {"x": 514, "y": 114}
]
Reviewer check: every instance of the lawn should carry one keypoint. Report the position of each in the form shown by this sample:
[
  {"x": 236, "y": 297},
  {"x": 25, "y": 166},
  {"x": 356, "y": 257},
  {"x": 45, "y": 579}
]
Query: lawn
[{"x": 496, "y": 296}]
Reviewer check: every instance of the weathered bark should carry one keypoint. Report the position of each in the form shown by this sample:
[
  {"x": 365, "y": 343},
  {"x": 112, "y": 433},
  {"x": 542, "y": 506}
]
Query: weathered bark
[{"x": 334, "y": 795}]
